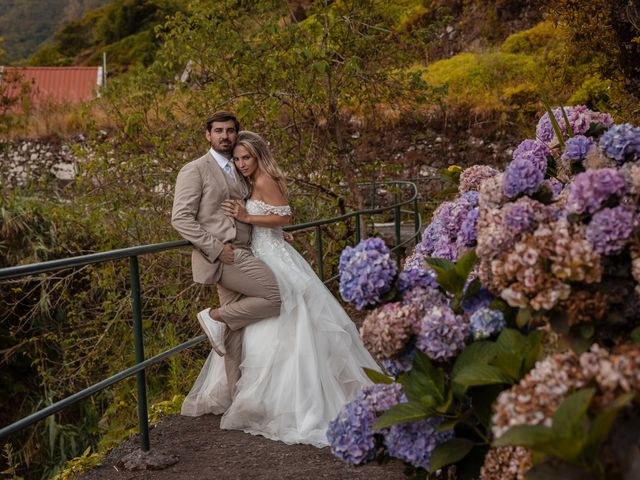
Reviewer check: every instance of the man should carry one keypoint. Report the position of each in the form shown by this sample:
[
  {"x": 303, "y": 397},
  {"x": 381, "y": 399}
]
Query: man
[{"x": 247, "y": 289}]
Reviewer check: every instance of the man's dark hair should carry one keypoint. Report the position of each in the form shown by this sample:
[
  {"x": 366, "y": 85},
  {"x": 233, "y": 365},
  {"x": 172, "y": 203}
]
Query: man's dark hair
[{"x": 222, "y": 117}]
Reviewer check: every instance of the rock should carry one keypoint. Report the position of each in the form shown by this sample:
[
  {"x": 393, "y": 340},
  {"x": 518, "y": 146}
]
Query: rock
[{"x": 151, "y": 460}]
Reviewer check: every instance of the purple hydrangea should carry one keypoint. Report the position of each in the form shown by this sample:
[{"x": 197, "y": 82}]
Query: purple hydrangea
[
  {"x": 533, "y": 151},
  {"x": 580, "y": 119},
  {"x": 414, "y": 442},
  {"x": 621, "y": 143},
  {"x": 576, "y": 148},
  {"x": 521, "y": 176},
  {"x": 486, "y": 322},
  {"x": 590, "y": 190},
  {"x": 351, "y": 435},
  {"x": 366, "y": 271},
  {"x": 610, "y": 228},
  {"x": 423, "y": 298},
  {"x": 442, "y": 333},
  {"x": 400, "y": 363},
  {"x": 519, "y": 217},
  {"x": 467, "y": 235},
  {"x": 416, "y": 277}
]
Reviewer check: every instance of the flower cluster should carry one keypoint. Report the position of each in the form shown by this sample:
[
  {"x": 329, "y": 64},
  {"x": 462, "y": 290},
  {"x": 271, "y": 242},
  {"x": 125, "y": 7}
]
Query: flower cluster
[
  {"x": 486, "y": 322},
  {"x": 442, "y": 333},
  {"x": 592, "y": 189},
  {"x": 413, "y": 442},
  {"x": 367, "y": 272},
  {"x": 351, "y": 435},
  {"x": 472, "y": 177},
  {"x": 621, "y": 143},
  {"x": 580, "y": 120},
  {"x": 386, "y": 330}
]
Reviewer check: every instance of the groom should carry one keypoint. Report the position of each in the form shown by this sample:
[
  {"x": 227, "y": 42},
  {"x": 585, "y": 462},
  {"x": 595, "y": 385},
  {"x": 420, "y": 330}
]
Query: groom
[{"x": 221, "y": 254}]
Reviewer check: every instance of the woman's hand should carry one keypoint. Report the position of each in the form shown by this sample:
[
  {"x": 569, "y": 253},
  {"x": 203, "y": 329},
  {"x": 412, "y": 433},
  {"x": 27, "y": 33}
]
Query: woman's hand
[{"x": 236, "y": 209}]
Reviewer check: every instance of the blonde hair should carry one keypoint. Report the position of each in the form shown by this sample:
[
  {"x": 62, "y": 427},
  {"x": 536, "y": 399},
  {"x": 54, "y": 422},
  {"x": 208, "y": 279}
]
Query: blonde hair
[{"x": 258, "y": 149}]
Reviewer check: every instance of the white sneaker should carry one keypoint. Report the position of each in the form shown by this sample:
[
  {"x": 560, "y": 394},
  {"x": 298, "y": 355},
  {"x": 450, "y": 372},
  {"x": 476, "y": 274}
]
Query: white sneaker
[{"x": 214, "y": 330}]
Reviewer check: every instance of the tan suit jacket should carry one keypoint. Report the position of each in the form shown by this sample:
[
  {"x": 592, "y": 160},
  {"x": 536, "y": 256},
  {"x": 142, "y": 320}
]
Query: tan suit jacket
[{"x": 197, "y": 215}]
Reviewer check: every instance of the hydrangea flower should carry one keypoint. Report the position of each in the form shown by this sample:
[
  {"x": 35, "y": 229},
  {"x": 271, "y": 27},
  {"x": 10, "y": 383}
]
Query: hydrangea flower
[
  {"x": 533, "y": 151},
  {"x": 366, "y": 271},
  {"x": 576, "y": 148},
  {"x": 472, "y": 177},
  {"x": 400, "y": 363},
  {"x": 423, "y": 298},
  {"x": 351, "y": 436},
  {"x": 486, "y": 322},
  {"x": 519, "y": 217},
  {"x": 467, "y": 234},
  {"x": 591, "y": 189},
  {"x": 413, "y": 442},
  {"x": 416, "y": 277},
  {"x": 521, "y": 176},
  {"x": 621, "y": 142},
  {"x": 387, "y": 330},
  {"x": 555, "y": 186},
  {"x": 610, "y": 228},
  {"x": 482, "y": 299},
  {"x": 580, "y": 119},
  {"x": 442, "y": 333}
]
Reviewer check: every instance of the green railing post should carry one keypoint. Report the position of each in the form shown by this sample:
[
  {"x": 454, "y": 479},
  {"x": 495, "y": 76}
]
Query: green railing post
[
  {"x": 143, "y": 419},
  {"x": 396, "y": 215},
  {"x": 358, "y": 233},
  {"x": 373, "y": 193},
  {"x": 319, "y": 252}
]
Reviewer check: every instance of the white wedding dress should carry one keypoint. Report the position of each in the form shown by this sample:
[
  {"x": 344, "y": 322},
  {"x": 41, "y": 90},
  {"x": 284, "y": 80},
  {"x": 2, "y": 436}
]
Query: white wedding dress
[{"x": 298, "y": 369}]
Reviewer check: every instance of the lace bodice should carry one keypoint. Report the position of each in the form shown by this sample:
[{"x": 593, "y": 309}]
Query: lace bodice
[{"x": 268, "y": 240}]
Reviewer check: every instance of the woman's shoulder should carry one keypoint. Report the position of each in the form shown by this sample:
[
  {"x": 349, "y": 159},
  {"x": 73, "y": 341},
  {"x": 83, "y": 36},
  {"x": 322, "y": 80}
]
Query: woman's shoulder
[{"x": 267, "y": 190}]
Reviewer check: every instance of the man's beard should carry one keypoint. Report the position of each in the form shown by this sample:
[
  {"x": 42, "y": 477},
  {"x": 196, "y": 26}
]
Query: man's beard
[{"x": 226, "y": 149}]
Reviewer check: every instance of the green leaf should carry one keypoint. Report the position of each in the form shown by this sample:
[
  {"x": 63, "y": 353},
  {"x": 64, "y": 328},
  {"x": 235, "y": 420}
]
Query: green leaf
[
  {"x": 449, "y": 452},
  {"x": 566, "y": 122},
  {"x": 601, "y": 425},
  {"x": 534, "y": 344},
  {"x": 472, "y": 289},
  {"x": 466, "y": 263},
  {"x": 478, "y": 374},
  {"x": 530, "y": 436},
  {"x": 452, "y": 422},
  {"x": 377, "y": 377},
  {"x": 568, "y": 419},
  {"x": 451, "y": 281},
  {"x": 481, "y": 352},
  {"x": 523, "y": 317},
  {"x": 401, "y": 413},
  {"x": 424, "y": 383},
  {"x": 595, "y": 130},
  {"x": 554, "y": 469},
  {"x": 552, "y": 119},
  {"x": 440, "y": 264},
  {"x": 635, "y": 335}
]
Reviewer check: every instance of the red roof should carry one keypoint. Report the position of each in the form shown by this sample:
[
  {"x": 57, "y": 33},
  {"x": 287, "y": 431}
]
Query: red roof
[{"x": 57, "y": 84}]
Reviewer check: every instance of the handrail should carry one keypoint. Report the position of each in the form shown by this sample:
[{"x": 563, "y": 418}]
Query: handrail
[{"x": 132, "y": 253}]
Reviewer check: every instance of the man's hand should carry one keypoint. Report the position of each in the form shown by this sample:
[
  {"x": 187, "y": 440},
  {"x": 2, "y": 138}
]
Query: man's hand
[{"x": 227, "y": 255}]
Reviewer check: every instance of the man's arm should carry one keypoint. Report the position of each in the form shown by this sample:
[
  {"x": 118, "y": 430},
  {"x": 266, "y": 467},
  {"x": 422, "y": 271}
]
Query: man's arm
[{"x": 186, "y": 201}]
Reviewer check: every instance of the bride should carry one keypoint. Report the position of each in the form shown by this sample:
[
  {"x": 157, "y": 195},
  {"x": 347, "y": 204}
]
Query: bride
[{"x": 300, "y": 368}]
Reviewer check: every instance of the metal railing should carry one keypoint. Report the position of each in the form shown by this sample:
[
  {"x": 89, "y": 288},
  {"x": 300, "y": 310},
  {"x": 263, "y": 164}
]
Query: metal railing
[{"x": 132, "y": 254}]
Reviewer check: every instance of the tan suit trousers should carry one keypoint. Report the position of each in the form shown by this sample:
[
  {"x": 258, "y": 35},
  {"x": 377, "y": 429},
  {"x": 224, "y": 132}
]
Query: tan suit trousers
[{"x": 248, "y": 292}]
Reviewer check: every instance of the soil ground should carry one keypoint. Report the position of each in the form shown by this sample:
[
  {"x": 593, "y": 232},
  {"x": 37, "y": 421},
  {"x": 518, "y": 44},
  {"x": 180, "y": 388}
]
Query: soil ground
[{"x": 207, "y": 452}]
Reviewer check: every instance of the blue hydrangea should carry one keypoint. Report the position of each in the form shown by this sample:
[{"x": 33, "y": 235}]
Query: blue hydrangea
[
  {"x": 521, "y": 176},
  {"x": 366, "y": 271},
  {"x": 576, "y": 148},
  {"x": 467, "y": 235},
  {"x": 414, "y": 442},
  {"x": 351, "y": 436},
  {"x": 621, "y": 143},
  {"x": 486, "y": 322},
  {"x": 590, "y": 190},
  {"x": 400, "y": 363},
  {"x": 442, "y": 333},
  {"x": 481, "y": 299}
]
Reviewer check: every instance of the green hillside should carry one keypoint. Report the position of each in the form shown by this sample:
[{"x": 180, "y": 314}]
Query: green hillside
[{"x": 26, "y": 24}]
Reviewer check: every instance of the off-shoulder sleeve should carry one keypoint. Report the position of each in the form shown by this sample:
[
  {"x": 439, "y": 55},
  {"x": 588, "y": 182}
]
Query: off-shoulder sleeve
[{"x": 282, "y": 210}]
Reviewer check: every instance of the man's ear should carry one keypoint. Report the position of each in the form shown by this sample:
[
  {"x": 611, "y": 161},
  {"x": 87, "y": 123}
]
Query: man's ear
[{"x": 207, "y": 134}]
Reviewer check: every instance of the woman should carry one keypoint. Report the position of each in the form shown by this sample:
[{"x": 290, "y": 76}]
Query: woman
[{"x": 300, "y": 368}]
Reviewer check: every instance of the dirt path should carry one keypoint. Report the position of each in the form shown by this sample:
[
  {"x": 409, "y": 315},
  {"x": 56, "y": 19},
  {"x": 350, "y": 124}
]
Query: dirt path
[{"x": 206, "y": 452}]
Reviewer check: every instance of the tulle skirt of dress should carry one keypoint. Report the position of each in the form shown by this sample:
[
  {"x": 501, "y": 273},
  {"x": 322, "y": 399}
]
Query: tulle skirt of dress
[{"x": 297, "y": 369}]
